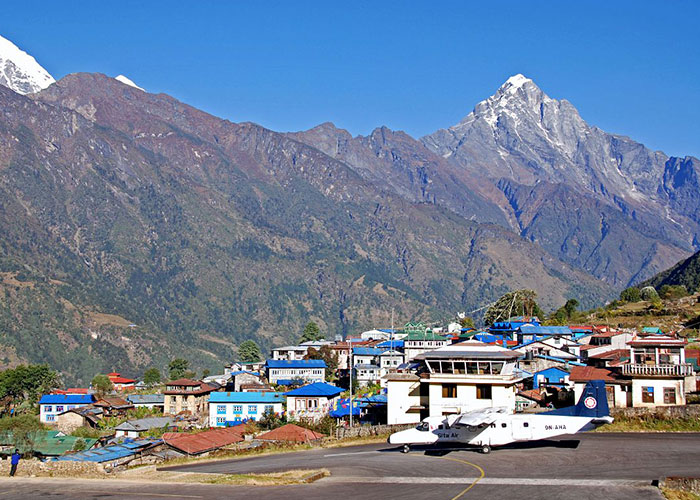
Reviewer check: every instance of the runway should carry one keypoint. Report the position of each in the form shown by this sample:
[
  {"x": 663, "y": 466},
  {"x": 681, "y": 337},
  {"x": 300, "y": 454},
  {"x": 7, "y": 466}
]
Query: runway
[{"x": 614, "y": 466}]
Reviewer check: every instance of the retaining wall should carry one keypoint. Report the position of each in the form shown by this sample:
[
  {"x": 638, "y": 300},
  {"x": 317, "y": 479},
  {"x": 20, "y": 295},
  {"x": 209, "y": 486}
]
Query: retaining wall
[
  {"x": 369, "y": 430},
  {"x": 689, "y": 411}
]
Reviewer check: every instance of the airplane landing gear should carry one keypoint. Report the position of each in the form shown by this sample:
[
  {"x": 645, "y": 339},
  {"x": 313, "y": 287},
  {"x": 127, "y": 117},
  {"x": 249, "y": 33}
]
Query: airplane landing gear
[
  {"x": 485, "y": 449},
  {"x": 406, "y": 448}
]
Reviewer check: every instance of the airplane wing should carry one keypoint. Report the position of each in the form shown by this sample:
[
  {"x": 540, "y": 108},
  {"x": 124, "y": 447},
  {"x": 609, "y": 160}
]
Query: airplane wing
[{"x": 483, "y": 416}]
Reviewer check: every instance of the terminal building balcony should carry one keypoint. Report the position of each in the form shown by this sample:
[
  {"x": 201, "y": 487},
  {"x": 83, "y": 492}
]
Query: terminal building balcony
[{"x": 644, "y": 370}]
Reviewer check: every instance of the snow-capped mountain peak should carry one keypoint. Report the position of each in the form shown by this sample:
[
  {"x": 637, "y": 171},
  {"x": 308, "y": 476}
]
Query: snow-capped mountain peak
[
  {"x": 20, "y": 71},
  {"x": 516, "y": 81},
  {"x": 127, "y": 81}
]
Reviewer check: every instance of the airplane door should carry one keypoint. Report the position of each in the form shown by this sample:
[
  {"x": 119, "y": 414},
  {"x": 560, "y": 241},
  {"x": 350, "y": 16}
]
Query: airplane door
[{"x": 522, "y": 430}]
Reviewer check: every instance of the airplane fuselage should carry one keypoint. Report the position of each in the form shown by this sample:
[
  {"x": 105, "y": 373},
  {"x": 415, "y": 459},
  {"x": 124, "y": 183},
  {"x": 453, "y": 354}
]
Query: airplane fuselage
[{"x": 504, "y": 430}]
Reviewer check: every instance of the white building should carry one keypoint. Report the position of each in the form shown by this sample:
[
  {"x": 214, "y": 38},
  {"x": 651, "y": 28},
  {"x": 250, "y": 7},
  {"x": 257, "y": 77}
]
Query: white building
[
  {"x": 290, "y": 352},
  {"x": 311, "y": 402},
  {"x": 50, "y": 405},
  {"x": 366, "y": 373},
  {"x": 231, "y": 408},
  {"x": 304, "y": 371},
  {"x": 416, "y": 343},
  {"x": 454, "y": 379}
]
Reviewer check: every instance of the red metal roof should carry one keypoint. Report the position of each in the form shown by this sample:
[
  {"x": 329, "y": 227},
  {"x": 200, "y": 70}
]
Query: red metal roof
[
  {"x": 587, "y": 373},
  {"x": 291, "y": 432},
  {"x": 201, "y": 442},
  {"x": 612, "y": 354}
]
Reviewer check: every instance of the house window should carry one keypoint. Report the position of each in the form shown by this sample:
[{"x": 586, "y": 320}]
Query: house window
[
  {"x": 670, "y": 395},
  {"x": 50, "y": 418},
  {"x": 449, "y": 390},
  {"x": 221, "y": 410},
  {"x": 647, "y": 394},
  {"x": 220, "y": 420},
  {"x": 252, "y": 409},
  {"x": 48, "y": 409},
  {"x": 237, "y": 408},
  {"x": 173, "y": 409},
  {"x": 483, "y": 392},
  {"x": 59, "y": 409},
  {"x": 269, "y": 408}
]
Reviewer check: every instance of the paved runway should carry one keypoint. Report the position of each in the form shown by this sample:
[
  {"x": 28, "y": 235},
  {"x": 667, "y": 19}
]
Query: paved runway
[{"x": 614, "y": 466}]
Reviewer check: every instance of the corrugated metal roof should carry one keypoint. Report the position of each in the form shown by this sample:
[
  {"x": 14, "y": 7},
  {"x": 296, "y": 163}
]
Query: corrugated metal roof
[
  {"x": 146, "y": 398},
  {"x": 201, "y": 442},
  {"x": 301, "y": 363},
  {"x": 291, "y": 432},
  {"x": 144, "y": 424},
  {"x": 246, "y": 397},
  {"x": 66, "y": 399},
  {"x": 545, "y": 330},
  {"x": 366, "y": 351},
  {"x": 113, "y": 452},
  {"x": 316, "y": 389}
]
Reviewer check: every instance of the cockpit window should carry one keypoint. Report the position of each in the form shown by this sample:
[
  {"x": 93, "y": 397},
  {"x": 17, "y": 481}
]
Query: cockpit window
[{"x": 423, "y": 426}]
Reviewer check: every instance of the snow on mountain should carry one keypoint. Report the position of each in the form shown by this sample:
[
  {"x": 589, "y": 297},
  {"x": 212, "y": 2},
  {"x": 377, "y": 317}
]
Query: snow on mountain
[
  {"x": 20, "y": 71},
  {"x": 127, "y": 81}
]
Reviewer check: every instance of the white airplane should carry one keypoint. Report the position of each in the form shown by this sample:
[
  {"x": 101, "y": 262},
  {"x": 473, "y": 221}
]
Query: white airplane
[{"x": 489, "y": 427}]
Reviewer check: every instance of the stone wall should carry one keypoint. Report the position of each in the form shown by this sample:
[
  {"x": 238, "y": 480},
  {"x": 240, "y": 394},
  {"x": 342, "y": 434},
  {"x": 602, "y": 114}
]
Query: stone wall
[
  {"x": 35, "y": 468},
  {"x": 370, "y": 430},
  {"x": 689, "y": 411}
]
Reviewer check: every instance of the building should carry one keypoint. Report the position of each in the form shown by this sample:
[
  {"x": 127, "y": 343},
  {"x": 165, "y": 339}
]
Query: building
[
  {"x": 416, "y": 343},
  {"x": 605, "y": 341},
  {"x": 232, "y": 408},
  {"x": 453, "y": 379},
  {"x": 51, "y": 405},
  {"x": 187, "y": 395},
  {"x": 390, "y": 360},
  {"x": 291, "y": 433},
  {"x": 113, "y": 406},
  {"x": 137, "y": 428},
  {"x": 551, "y": 377},
  {"x": 299, "y": 372},
  {"x": 312, "y": 401},
  {"x": 658, "y": 369},
  {"x": 366, "y": 355},
  {"x": 152, "y": 401},
  {"x": 121, "y": 383},
  {"x": 242, "y": 379},
  {"x": 367, "y": 373},
  {"x": 83, "y": 416},
  {"x": 289, "y": 353},
  {"x": 618, "y": 388},
  {"x": 203, "y": 442}
]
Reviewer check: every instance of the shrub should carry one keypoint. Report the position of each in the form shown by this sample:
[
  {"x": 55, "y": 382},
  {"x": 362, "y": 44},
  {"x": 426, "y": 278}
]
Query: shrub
[
  {"x": 649, "y": 293},
  {"x": 630, "y": 294}
]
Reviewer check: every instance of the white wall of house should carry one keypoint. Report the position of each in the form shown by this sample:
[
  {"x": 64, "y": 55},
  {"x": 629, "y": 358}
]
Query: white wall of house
[
  {"x": 306, "y": 374},
  {"x": 49, "y": 413},
  {"x": 402, "y": 395},
  {"x": 220, "y": 413},
  {"x": 308, "y": 407},
  {"x": 659, "y": 388}
]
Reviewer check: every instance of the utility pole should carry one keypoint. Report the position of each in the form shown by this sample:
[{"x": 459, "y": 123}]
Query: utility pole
[{"x": 350, "y": 371}]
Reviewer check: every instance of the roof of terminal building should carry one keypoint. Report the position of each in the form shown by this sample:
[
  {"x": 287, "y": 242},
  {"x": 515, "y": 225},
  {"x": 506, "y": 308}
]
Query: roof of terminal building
[{"x": 470, "y": 349}]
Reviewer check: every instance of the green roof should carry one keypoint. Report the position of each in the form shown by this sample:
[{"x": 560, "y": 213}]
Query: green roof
[
  {"x": 423, "y": 336},
  {"x": 46, "y": 443}
]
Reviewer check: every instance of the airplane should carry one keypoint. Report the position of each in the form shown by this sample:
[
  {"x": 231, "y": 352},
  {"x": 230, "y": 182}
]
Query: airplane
[{"x": 496, "y": 426}]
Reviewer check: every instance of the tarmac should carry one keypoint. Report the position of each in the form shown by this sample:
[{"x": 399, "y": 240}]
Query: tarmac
[{"x": 606, "y": 465}]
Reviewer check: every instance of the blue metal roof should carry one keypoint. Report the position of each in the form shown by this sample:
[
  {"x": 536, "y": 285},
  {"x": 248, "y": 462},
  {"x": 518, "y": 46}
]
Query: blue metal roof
[
  {"x": 114, "y": 452},
  {"x": 239, "y": 372},
  {"x": 316, "y": 389},
  {"x": 66, "y": 399},
  {"x": 552, "y": 370},
  {"x": 366, "y": 351},
  {"x": 342, "y": 408},
  {"x": 302, "y": 363},
  {"x": 246, "y": 397},
  {"x": 545, "y": 330},
  {"x": 391, "y": 344}
]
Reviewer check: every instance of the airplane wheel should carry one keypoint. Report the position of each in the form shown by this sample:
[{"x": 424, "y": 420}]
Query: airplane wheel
[
  {"x": 485, "y": 449},
  {"x": 406, "y": 448}
]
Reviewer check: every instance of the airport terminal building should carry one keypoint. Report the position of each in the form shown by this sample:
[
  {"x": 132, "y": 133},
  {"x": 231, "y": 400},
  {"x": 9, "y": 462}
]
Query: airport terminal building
[{"x": 453, "y": 379}]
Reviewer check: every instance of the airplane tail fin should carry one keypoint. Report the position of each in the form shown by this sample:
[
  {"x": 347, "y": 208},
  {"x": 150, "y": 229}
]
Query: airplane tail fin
[{"x": 592, "y": 403}]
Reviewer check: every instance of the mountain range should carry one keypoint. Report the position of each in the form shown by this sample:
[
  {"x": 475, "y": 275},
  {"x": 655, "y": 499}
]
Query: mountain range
[{"x": 137, "y": 228}]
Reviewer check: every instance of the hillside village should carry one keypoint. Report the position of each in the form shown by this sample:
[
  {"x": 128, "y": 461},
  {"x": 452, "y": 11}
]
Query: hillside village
[{"x": 644, "y": 350}]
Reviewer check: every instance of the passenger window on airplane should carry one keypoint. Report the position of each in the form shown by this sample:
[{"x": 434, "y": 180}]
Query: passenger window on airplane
[
  {"x": 526, "y": 424},
  {"x": 504, "y": 425}
]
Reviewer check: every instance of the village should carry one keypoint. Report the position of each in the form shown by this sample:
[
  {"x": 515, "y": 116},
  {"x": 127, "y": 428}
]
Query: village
[{"x": 371, "y": 383}]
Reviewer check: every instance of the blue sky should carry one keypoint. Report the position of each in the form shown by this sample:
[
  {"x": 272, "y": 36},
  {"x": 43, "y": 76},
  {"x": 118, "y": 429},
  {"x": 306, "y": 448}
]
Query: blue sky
[{"x": 629, "y": 67}]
